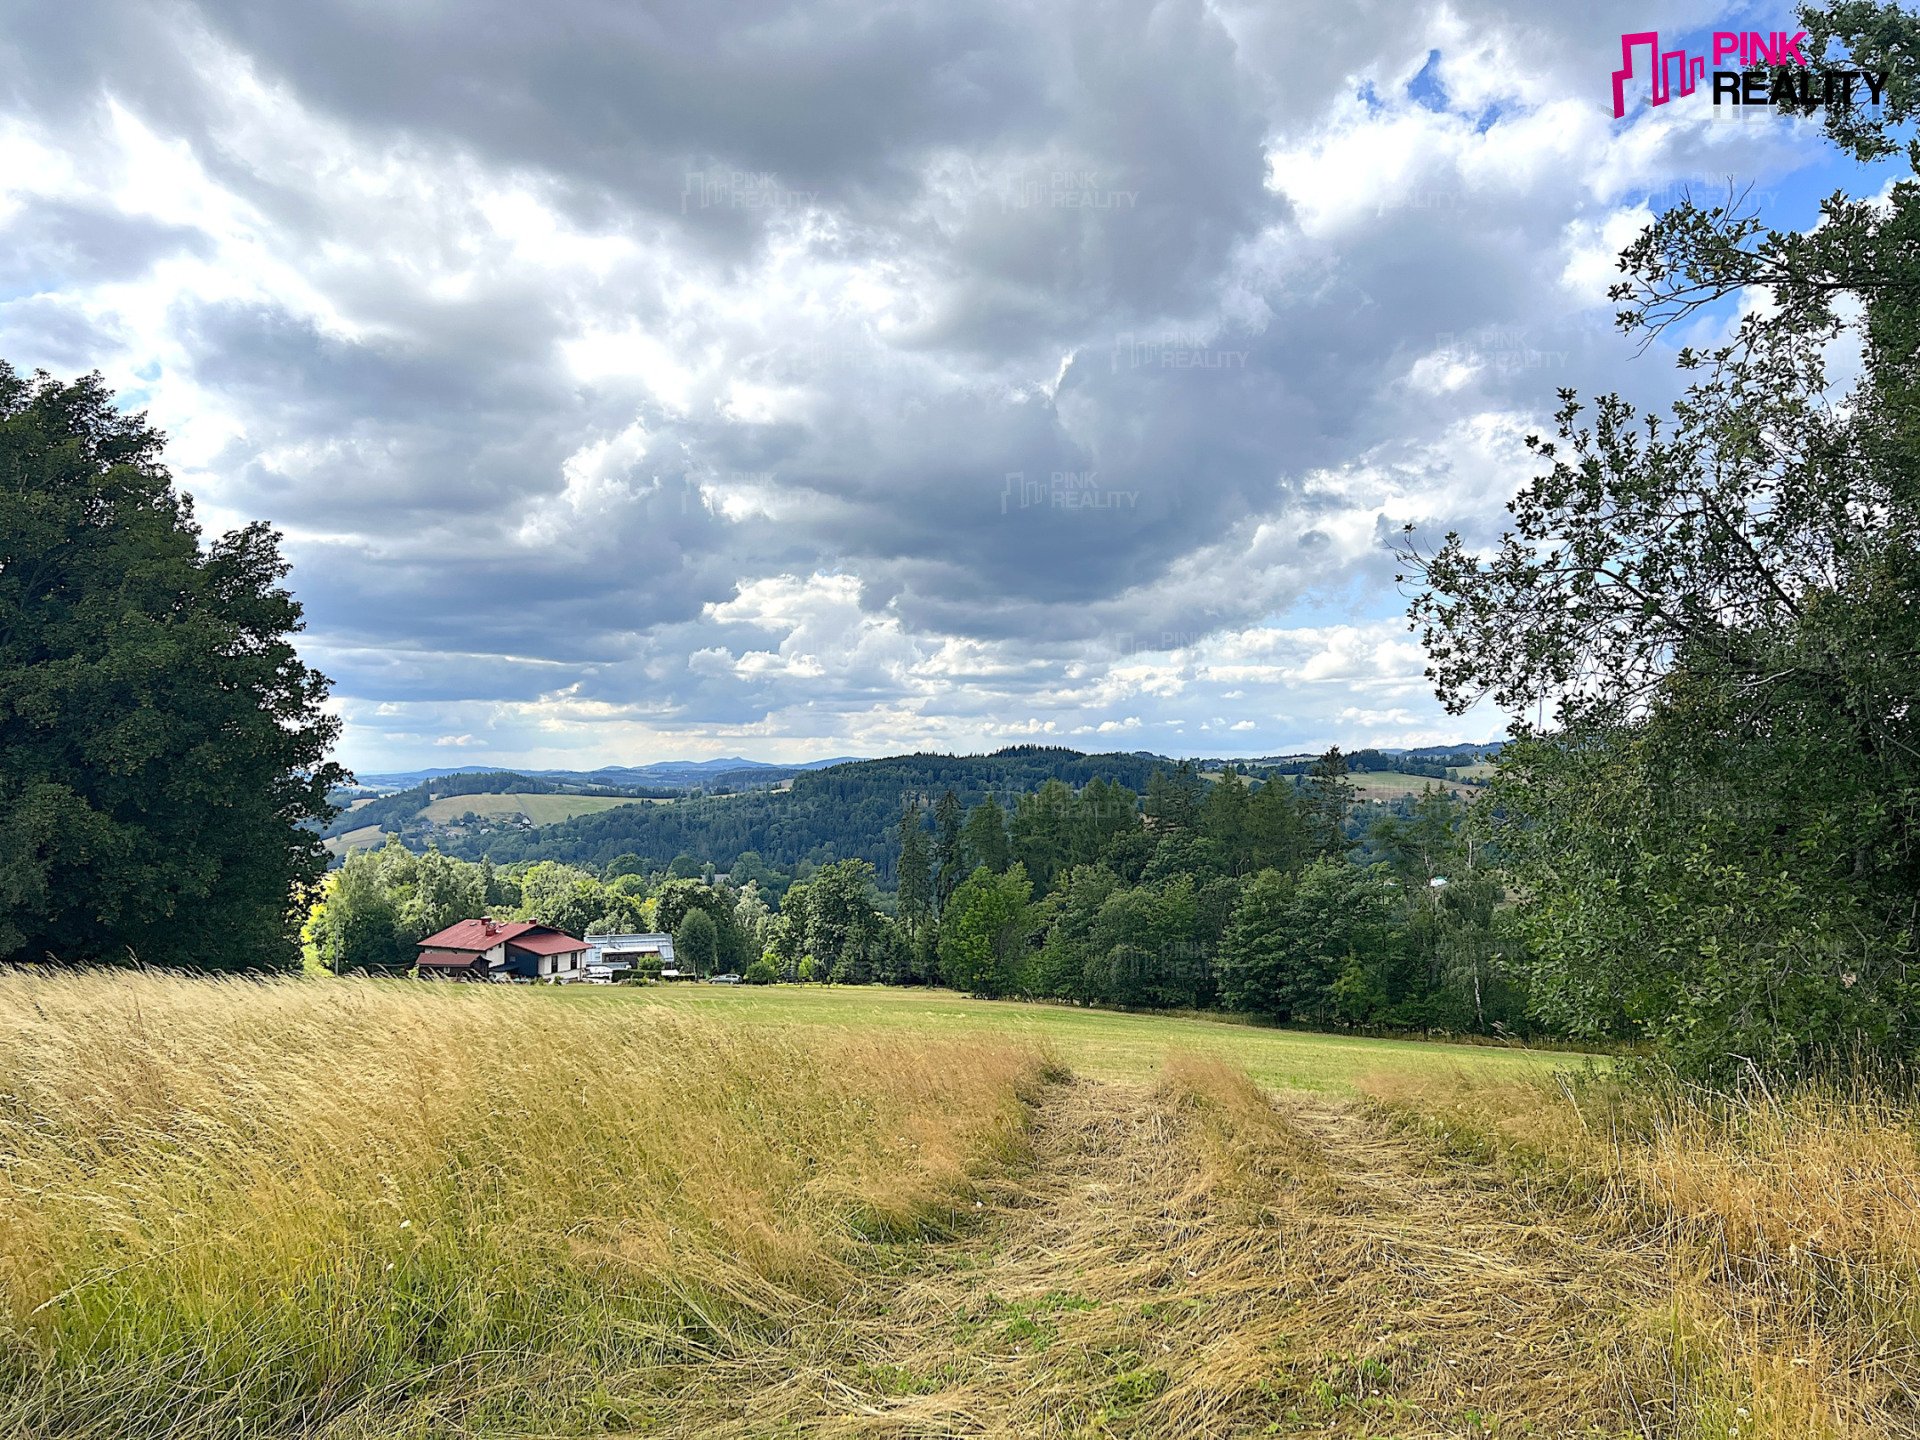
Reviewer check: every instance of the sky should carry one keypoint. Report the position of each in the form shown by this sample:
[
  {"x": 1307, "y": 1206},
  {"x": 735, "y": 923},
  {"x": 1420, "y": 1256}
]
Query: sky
[{"x": 641, "y": 381}]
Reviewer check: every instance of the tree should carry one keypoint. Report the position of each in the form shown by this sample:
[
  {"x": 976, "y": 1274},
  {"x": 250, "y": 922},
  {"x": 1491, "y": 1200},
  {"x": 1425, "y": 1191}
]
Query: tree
[
  {"x": 1183, "y": 852},
  {"x": 782, "y": 940},
  {"x": 844, "y": 928},
  {"x": 358, "y": 925},
  {"x": 749, "y": 868},
  {"x": 1106, "y": 817},
  {"x": 1328, "y": 798},
  {"x": 1424, "y": 845},
  {"x": 914, "y": 871},
  {"x": 1323, "y": 945},
  {"x": 163, "y": 768},
  {"x": 1255, "y": 956},
  {"x": 750, "y": 916},
  {"x": 1224, "y": 815},
  {"x": 788, "y": 938},
  {"x": 1173, "y": 801},
  {"x": 985, "y": 933},
  {"x": 563, "y": 896},
  {"x": 376, "y": 907},
  {"x": 949, "y": 856},
  {"x": 444, "y": 891},
  {"x": 676, "y": 898},
  {"x": 1278, "y": 835},
  {"x": 1714, "y": 615},
  {"x": 1065, "y": 964},
  {"x": 1040, "y": 835},
  {"x": 1146, "y": 950},
  {"x": 696, "y": 944},
  {"x": 983, "y": 840}
]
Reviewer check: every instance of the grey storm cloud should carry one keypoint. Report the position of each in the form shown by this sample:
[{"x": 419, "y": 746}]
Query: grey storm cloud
[{"x": 629, "y": 375}]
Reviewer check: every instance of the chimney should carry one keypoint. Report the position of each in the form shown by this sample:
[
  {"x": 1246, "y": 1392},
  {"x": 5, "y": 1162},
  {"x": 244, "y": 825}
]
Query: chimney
[{"x": 487, "y": 926}]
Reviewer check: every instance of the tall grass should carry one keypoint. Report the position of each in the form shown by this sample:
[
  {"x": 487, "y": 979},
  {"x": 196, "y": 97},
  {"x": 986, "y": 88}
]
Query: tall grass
[
  {"x": 1789, "y": 1224},
  {"x": 363, "y": 1208}
]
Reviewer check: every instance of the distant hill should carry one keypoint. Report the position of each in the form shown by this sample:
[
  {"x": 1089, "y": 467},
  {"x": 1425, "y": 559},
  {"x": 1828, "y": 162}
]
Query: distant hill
[
  {"x": 833, "y": 813},
  {"x": 826, "y": 811},
  {"x": 729, "y": 772},
  {"x": 435, "y": 808}
]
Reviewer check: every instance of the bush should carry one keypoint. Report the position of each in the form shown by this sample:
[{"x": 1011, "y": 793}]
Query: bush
[{"x": 762, "y": 972}]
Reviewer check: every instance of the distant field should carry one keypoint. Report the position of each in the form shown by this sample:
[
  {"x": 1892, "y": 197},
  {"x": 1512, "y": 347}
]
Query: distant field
[
  {"x": 1485, "y": 770},
  {"x": 540, "y": 809},
  {"x": 1100, "y": 1043},
  {"x": 363, "y": 838},
  {"x": 1391, "y": 784}
]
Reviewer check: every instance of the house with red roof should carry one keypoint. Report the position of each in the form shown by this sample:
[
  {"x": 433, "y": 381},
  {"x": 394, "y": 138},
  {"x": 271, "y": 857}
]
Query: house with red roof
[{"x": 487, "y": 949}]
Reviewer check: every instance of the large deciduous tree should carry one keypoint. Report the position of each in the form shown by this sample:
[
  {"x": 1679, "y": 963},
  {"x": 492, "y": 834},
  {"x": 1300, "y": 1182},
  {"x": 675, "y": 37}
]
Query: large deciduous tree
[
  {"x": 985, "y": 932},
  {"x": 162, "y": 746},
  {"x": 1714, "y": 616}
]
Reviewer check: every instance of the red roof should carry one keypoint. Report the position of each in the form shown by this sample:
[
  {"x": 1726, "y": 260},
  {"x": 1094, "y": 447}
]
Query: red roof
[
  {"x": 475, "y": 935},
  {"x": 483, "y": 934},
  {"x": 542, "y": 940}
]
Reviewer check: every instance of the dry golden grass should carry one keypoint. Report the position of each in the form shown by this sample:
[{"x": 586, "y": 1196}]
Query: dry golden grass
[
  {"x": 363, "y": 1208},
  {"x": 349, "y": 1209},
  {"x": 1788, "y": 1227}
]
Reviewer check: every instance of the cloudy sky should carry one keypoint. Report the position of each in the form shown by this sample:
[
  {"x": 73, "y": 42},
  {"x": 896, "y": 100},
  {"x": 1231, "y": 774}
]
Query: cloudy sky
[{"x": 643, "y": 379}]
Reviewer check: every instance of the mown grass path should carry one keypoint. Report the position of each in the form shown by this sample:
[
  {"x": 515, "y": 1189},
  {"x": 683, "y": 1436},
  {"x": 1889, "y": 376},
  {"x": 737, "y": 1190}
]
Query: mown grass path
[{"x": 1204, "y": 1259}]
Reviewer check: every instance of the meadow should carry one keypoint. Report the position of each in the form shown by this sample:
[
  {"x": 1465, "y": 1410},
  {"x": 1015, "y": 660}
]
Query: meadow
[
  {"x": 540, "y": 809},
  {"x": 1100, "y": 1044},
  {"x": 357, "y": 1209},
  {"x": 348, "y": 1209}
]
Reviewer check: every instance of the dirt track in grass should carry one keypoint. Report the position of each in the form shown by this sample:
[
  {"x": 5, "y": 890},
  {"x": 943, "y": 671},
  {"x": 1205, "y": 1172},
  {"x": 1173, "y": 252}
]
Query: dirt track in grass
[{"x": 1205, "y": 1259}]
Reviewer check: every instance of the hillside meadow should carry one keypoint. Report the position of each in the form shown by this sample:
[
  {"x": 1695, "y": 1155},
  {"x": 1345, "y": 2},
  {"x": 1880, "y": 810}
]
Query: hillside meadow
[{"x": 348, "y": 1209}]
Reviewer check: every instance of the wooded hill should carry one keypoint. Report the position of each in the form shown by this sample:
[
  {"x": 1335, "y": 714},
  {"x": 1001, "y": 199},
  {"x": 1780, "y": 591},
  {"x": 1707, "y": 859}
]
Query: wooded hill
[
  {"x": 849, "y": 811},
  {"x": 845, "y": 812}
]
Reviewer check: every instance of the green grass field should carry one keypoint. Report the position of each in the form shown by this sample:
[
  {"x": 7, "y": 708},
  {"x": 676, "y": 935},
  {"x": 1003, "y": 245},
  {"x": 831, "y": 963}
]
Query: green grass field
[
  {"x": 540, "y": 809},
  {"x": 1391, "y": 784},
  {"x": 1485, "y": 770},
  {"x": 1103, "y": 1044},
  {"x": 361, "y": 839}
]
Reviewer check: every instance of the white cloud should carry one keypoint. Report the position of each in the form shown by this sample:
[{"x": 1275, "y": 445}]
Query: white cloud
[{"x": 638, "y": 390}]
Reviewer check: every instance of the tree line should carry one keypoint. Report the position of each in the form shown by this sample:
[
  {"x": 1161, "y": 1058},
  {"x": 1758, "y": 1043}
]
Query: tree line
[{"x": 1271, "y": 898}]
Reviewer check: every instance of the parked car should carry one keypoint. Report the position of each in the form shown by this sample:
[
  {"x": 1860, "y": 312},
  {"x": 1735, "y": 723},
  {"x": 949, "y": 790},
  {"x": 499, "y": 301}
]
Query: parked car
[{"x": 727, "y": 979}]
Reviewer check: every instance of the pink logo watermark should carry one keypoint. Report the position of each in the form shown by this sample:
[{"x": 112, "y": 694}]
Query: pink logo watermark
[{"x": 1676, "y": 72}]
